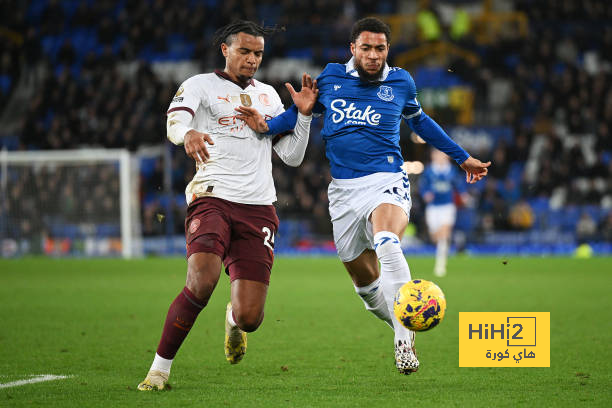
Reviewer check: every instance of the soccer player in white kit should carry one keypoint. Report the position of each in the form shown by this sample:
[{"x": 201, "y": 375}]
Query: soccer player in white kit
[
  {"x": 363, "y": 103},
  {"x": 230, "y": 218},
  {"x": 438, "y": 184}
]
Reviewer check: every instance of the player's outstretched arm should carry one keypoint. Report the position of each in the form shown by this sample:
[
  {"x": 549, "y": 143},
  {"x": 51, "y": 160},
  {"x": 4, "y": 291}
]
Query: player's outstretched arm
[
  {"x": 195, "y": 145},
  {"x": 304, "y": 102},
  {"x": 292, "y": 147},
  {"x": 475, "y": 170}
]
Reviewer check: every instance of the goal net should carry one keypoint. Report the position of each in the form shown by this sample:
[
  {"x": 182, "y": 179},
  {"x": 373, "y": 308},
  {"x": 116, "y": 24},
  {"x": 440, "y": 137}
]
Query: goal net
[{"x": 69, "y": 203}]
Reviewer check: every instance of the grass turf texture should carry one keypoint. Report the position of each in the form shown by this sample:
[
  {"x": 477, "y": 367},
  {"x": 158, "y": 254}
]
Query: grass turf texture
[{"x": 100, "y": 320}]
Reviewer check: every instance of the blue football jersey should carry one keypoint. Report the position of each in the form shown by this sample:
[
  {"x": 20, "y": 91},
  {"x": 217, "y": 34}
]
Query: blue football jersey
[
  {"x": 362, "y": 119},
  {"x": 441, "y": 182}
]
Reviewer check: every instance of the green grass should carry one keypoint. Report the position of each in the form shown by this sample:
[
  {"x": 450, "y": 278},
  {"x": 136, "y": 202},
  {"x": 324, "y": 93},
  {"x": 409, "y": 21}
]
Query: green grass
[{"x": 100, "y": 320}]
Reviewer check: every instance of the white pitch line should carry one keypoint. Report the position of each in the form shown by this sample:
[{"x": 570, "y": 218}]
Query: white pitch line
[{"x": 35, "y": 379}]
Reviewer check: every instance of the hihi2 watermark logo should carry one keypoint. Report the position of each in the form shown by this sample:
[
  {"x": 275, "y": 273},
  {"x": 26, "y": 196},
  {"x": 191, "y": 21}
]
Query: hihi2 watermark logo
[{"x": 504, "y": 339}]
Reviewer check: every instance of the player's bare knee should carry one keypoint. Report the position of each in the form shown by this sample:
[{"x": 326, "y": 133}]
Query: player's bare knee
[
  {"x": 364, "y": 269},
  {"x": 202, "y": 278},
  {"x": 201, "y": 290},
  {"x": 248, "y": 321}
]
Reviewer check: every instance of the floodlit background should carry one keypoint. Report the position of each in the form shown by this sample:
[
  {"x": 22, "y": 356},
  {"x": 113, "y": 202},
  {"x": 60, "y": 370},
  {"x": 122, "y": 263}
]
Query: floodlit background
[{"x": 525, "y": 84}]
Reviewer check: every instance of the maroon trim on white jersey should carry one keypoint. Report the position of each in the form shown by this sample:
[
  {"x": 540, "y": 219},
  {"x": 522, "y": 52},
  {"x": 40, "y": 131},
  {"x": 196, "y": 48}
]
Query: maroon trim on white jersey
[
  {"x": 178, "y": 108},
  {"x": 225, "y": 75}
]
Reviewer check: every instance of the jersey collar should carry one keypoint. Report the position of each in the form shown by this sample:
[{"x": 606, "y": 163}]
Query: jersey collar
[
  {"x": 350, "y": 69},
  {"x": 224, "y": 75}
]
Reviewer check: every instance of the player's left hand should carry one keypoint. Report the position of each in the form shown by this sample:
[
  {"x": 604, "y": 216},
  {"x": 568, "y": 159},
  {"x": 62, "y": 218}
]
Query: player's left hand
[
  {"x": 475, "y": 170},
  {"x": 307, "y": 97},
  {"x": 252, "y": 118}
]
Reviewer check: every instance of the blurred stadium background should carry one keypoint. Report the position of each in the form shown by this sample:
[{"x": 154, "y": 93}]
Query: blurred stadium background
[{"x": 85, "y": 168}]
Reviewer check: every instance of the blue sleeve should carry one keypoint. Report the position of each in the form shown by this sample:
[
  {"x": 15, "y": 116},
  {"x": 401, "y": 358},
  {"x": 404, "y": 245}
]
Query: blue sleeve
[
  {"x": 433, "y": 134},
  {"x": 412, "y": 107},
  {"x": 284, "y": 122}
]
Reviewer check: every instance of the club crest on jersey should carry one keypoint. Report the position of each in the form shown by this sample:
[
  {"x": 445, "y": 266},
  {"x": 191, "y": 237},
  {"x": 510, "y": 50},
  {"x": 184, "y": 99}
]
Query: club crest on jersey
[
  {"x": 177, "y": 95},
  {"x": 385, "y": 93},
  {"x": 264, "y": 99},
  {"x": 245, "y": 100},
  {"x": 193, "y": 227}
]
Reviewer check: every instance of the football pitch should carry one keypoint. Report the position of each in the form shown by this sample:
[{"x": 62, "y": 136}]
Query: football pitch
[{"x": 98, "y": 322}]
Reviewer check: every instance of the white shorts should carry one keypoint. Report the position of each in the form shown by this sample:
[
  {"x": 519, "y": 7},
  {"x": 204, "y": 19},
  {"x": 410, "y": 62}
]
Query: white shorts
[
  {"x": 437, "y": 216},
  {"x": 352, "y": 201}
]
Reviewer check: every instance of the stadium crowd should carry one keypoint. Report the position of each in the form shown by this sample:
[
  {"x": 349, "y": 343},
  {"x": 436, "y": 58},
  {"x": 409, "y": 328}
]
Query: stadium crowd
[
  {"x": 48, "y": 205},
  {"x": 100, "y": 89}
]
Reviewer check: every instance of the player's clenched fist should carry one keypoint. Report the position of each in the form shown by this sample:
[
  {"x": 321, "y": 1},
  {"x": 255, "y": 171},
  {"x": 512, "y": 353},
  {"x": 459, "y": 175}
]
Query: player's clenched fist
[{"x": 195, "y": 145}]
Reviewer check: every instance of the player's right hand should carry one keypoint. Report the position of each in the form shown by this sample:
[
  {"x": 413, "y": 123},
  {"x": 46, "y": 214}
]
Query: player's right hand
[
  {"x": 195, "y": 145},
  {"x": 252, "y": 118}
]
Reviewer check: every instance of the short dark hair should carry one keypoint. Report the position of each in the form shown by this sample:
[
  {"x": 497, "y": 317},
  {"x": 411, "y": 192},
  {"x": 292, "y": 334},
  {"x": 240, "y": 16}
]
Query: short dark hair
[
  {"x": 225, "y": 33},
  {"x": 371, "y": 24}
]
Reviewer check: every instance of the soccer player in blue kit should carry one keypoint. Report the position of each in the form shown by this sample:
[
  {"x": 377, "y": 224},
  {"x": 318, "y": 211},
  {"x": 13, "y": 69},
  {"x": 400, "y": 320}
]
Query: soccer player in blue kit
[
  {"x": 439, "y": 182},
  {"x": 363, "y": 102}
]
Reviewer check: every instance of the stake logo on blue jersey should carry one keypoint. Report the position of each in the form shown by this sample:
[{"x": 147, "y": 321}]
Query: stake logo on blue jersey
[
  {"x": 353, "y": 115},
  {"x": 362, "y": 119}
]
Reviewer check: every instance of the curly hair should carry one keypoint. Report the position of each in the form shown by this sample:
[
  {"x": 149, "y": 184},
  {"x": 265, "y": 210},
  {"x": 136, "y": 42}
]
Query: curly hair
[
  {"x": 227, "y": 33},
  {"x": 371, "y": 24}
]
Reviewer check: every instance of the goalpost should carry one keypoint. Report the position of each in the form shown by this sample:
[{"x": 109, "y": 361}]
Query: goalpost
[{"x": 70, "y": 202}]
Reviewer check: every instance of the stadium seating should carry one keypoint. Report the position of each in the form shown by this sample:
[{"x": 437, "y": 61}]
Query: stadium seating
[{"x": 545, "y": 85}]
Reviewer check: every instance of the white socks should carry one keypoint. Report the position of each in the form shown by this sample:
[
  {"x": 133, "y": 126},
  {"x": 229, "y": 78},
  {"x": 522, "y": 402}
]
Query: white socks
[
  {"x": 161, "y": 364},
  {"x": 230, "y": 318},
  {"x": 374, "y": 300},
  {"x": 394, "y": 272},
  {"x": 441, "y": 256}
]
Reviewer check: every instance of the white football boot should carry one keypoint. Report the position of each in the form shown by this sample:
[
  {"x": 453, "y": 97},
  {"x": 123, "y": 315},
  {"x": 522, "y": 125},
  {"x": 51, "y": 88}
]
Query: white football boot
[
  {"x": 156, "y": 381},
  {"x": 406, "y": 360},
  {"x": 235, "y": 340}
]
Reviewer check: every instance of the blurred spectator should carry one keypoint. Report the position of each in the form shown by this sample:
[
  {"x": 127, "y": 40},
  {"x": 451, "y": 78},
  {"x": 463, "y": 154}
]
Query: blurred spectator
[
  {"x": 53, "y": 18},
  {"x": 605, "y": 228},
  {"x": 500, "y": 170},
  {"x": 429, "y": 25},
  {"x": 586, "y": 229},
  {"x": 521, "y": 216},
  {"x": 493, "y": 205}
]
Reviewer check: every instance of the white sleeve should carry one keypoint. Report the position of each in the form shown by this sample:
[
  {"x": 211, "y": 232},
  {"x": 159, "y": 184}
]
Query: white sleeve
[
  {"x": 177, "y": 125},
  {"x": 291, "y": 147},
  {"x": 186, "y": 101}
]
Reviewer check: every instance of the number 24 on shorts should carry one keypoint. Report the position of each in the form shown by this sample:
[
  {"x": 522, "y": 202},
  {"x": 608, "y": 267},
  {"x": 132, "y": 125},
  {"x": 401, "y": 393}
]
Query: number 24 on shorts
[{"x": 269, "y": 238}]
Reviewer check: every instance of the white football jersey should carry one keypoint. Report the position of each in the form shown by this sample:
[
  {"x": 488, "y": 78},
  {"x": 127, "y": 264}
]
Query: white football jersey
[{"x": 240, "y": 165}]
